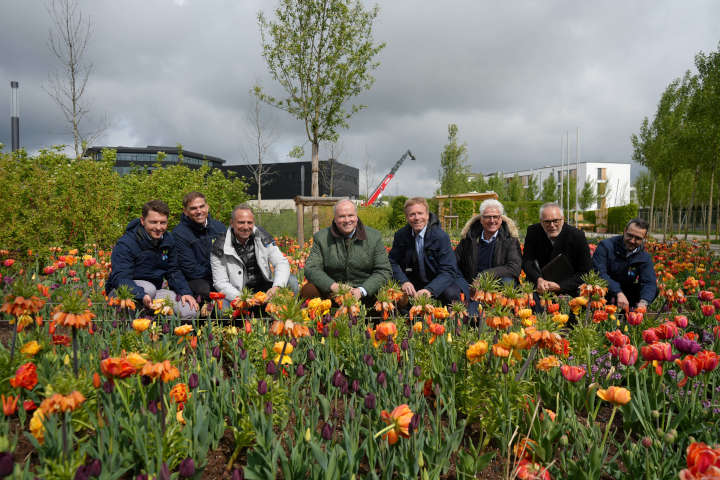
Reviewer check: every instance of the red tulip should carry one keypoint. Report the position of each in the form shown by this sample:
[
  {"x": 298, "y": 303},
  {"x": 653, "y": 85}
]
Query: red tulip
[
  {"x": 617, "y": 338},
  {"x": 650, "y": 336},
  {"x": 709, "y": 360},
  {"x": 634, "y": 318},
  {"x": 681, "y": 321},
  {"x": 706, "y": 295},
  {"x": 690, "y": 366},
  {"x": 572, "y": 373},
  {"x": 627, "y": 354},
  {"x": 708, "y": 310}
]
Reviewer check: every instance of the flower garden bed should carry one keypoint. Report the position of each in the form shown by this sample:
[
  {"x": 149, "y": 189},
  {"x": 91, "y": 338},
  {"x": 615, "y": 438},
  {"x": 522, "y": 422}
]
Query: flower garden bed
[{"x": 93, "y": 388}]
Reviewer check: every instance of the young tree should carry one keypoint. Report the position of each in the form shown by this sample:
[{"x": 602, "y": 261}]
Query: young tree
[
  {"x": 587, "y": 195},
  {"x": 454, "y": 168},
  {"x": 515, "y": 189},
  {"x": 532, "y": 190},
  {"x": 549, "y": 190},
  {"x": 497, "y": 184},
  {"x": 479, "y": 184},
  {"x": 261, "y": 135},
  {"x": 68, "y": 42},
  {"x": 321, "y": 52}
]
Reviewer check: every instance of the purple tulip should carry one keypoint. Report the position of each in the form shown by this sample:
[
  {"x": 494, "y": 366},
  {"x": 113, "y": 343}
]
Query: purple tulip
[
  {"x": 262, "y": 387},
  {"x": 187, "y": 468},
  {"x": 311, "y": 355},
  {"x": 367, "y": 335},
  {"x": 355, "y": 385},
  {"x": 414, "y": 423},
  {"x": 454, "y": 367},
  {"x": 326, "y": 431},
  {"x": 104, "y": 354},
  {"x": 336, "y": 333},
  {"x": 382, "y": 378},
  {"x": 94, "y": 467},
  {"x": 505, "y": 367},
  {"x": 216, "y": 352},
  {"x": 271, "y": 368},
  {"x": 108, "y": 386},
  {"x": 368, "y": 359},
  {"x": 370, "y": 401},
  {"x": 406, "y": 390},
  {"x": 293, "y": 342},
  {"x": 7, "y": 464},
  {"x": 325, "y": 331},
  {"x": 685, "y": 345},
  {"x": 238, "y": 474},
  {"x": 389, "y": 346},
  {"x": 166, "y": 328},
  {"x": 240, "y": 343},
  {"x": 268, "y": 408},
  {"x": 242, "y": 354},
  {"x": 300, "y": 370},
  {"x": 404, "y": 345},
  {"x": 417, "y": 371},
  {"x": 152, "y": 407},
  {"x": 141, "y": 476},
  {"x": 164, "y": 472},
  {"x": 210, "y": 337},
  {"x": 193, "y": 381},
  {"x": 338, "y": 379}
]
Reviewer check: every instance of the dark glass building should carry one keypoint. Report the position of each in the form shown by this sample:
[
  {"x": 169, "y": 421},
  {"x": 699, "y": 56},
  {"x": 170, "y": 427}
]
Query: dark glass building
[
  {"x": 288, "y": 180},
  {"x": 146, "y": 157}
]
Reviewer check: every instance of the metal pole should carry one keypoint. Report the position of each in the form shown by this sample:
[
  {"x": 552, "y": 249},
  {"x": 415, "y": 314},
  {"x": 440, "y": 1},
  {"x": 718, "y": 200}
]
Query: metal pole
[
  {"x": 577, "y": 169},
  {"x": 567, "y": 166},
  {"x": 562, "y": 153},
  {"x": 14, "y": 116}
]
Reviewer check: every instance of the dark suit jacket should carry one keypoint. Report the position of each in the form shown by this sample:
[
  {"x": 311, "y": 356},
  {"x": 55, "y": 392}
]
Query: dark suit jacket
[
  {"x": 440, "y": 265},
  {"x": 571, "y": 242}
]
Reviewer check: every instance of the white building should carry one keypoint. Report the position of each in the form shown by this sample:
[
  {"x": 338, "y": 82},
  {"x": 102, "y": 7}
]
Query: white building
[{"x": 609, "y": 179}]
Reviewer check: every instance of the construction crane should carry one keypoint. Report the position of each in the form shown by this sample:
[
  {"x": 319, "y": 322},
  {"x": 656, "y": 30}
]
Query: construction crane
[{"x": 375, "y": 197}]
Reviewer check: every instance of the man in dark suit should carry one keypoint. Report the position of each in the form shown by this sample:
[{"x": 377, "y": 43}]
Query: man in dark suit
[
  {"x": 548, "y": 239},
  {"x": 422, "y": 258}
]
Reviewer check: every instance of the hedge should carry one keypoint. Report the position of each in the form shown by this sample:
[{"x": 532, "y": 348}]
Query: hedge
[{"x": 618, "y": 217}]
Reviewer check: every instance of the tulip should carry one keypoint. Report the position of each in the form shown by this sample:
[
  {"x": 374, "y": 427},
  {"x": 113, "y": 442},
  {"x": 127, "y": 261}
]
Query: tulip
[
  {"x": 141, "y": 324},
  {"x": 685, "y": 345},
  {"x": 311, "y": 355},
  {"x": 398, "y": 423},
  {"x": 572, "y": 373},
  {"x": 238, "y": 474},
  {"x": 454, "y": 367},
  {"x": 187, "y": 468},
  {"x": 382, "y": 378},
  {"x": 326, "y": 432},
  {"x": 338, "y": 379},
  {"x": 406, "y": 391},
  {"x": 268, "y": 408},
  {"x": 370, "y": 401},
  {"x": 417, "y": 371},
  {"x": 300, "y": 370},
  {"x": 193, "y": 381},
  {"x": 706, "y": 296},
  {"x": 262, "y": 387},
  {"x": 627, "y": 354},
  {"x": 690, "y": 366},
  {"x": 271, "y": 368},
  {"x": 681, "y": 321},
  {"x": 368, "y": 359},
  {"x": 617, "y": 338},
  {"x": 708, "y": 310},
  {"x": 216, "y": 352},
  {"x": 242, "y": 354},
  {"x": 29, "y": 405},
  {"x": 7, "y": 464},
  {"x": 709, "y": 360},
  {"x": 634, "y": 318},
  {"x": 9, "y": 404},
  {"x": 615, "y": 395}
]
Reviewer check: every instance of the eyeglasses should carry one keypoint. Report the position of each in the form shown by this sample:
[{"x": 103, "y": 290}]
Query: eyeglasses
[
  {"x": 491, "y": 217},
  {"x": 554, "y": 221},
  {"x": 637, "y": 238}
]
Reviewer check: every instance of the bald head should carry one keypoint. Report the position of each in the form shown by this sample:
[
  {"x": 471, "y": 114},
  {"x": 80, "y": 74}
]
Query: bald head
[{"x": 345, "y": 217}]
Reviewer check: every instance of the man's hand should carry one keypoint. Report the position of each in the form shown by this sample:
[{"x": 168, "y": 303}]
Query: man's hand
[
  {"x": 622, "y": 302},
  {"x": 147, "y": 301},
  {"x": 409, "y": 289},
  {"x": 269, "y": 294},
  {"x": 189, "y": 299},
  {"x": 334, "y": 287},
  {"x": 424, "y": 291},
  {"x": 356, "y": 292},
  {"x": 544, "y": 286}
]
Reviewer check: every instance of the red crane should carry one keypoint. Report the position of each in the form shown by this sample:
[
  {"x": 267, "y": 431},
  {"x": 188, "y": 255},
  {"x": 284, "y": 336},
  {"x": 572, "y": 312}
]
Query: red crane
[{"x": 379, "y": 190}]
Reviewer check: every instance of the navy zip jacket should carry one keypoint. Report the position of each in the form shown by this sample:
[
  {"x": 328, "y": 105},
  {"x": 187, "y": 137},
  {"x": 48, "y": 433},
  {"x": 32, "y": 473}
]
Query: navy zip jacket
[
  {"x": 193, "y": 243},
  {"x": 633, "y": 275},
  {"x": 134, "y": 257},
  {"x": 440, "y": 263}
]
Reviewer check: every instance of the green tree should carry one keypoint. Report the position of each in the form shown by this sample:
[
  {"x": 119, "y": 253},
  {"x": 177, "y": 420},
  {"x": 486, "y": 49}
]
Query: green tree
[
  {"x": 454, "y": 167},
  {"x": 321, "y": 52},
  {"x": 549, "y": 190},
  {"x": 515, "y": 189},
  {"x": 478, "y": 184},
  {"x": 497, "y": 184},
  {"x": 532, "y": 190},
  {"x": 587, "y": 195}
]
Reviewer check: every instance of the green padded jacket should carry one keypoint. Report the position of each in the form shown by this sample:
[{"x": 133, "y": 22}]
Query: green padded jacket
[{"x": 360, "y": 262}]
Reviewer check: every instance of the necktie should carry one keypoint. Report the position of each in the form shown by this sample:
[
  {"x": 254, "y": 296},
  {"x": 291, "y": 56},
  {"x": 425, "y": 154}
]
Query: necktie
[{"x": 421, "y": 258}]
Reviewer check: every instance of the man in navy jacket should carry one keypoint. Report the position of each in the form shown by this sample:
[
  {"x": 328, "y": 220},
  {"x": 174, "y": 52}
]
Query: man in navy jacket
[
  {"x": 194, "y": 237},
  {"x": 146, "y": 255},
  {"x": 627, "y": 267},
  {"x": 422, "y": 258}
]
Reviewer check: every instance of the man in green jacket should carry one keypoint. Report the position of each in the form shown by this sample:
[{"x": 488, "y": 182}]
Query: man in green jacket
[{"x": 346, "y": 252}]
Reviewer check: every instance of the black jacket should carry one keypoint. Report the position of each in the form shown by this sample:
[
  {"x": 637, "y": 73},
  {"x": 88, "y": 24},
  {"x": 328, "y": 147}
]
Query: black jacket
[
  {"x": 136, "y": 257},
  {"x": 571, "y": 242},
  {"x": 194, "y": 244},
  {"x": 507, "y": 257},
  {"x": 440, "y": 265}
]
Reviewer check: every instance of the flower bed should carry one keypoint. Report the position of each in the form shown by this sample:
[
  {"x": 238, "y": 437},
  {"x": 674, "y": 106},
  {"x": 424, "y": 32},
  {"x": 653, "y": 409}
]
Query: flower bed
[{"x": 93, "y": 388}]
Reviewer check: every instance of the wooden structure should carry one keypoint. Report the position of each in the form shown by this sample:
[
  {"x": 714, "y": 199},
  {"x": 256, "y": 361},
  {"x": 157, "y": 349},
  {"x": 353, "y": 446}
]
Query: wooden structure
[
  {"x": 474, "y": 196},
  {"x": 302, "y": 202}
]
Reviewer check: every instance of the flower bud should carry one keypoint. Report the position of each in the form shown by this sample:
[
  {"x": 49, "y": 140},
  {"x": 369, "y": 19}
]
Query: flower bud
[
  {"x": 300, "y": 370},
  {"x": 271, "y": 368},
  {"x": 326, "y": 432},
  {"x": 505, "y": 367},
  {"x": 268, "y": 408},
  {"x": 355, "y": 385},
  {"x": 262, "y": 387},
  {"x": 308, "y": 435},
  {"x": 406, "y": 390},
  {"x": 647, "y": 442},
  {"x": 238, "y": 474},
  {"x": 370, "y": 401},
  {"x": 368, "y": 359},
  {"x": 417, "y": 371},
  {"x": 311, "y": 355},
  {"x": 655, "y": 414},
  {"x": 242, "y": 354},
  {"x": 382, "y": 378},
  {"x": 454, "y": 368},
  {"x": 187, "y": 468},
  {"x": 564, "y": 440},
  {"x": 404, "y": 345},
  {"x": 216, "y": 353},
  {"x": 240, "y": 343},
  {"x": 193, "y": 381}
]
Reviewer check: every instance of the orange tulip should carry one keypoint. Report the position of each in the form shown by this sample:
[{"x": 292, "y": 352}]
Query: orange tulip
[
  {"x": 476, "y": 351},
  {"x": 25, "y": 377},
  {"x": 9, "y": 404},
  {"x": 384, "y": 330},
  {"x": 400, "y": 419},
  {"x": 547, "y": 363},
  {"x": 179, "y": 393},
  {"x": 615, "y": 395},
  {"x": 572, "y": 373}
]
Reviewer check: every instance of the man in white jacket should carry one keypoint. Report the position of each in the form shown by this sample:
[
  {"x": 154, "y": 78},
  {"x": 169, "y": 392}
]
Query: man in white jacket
[{"x": 246, "y": 256}]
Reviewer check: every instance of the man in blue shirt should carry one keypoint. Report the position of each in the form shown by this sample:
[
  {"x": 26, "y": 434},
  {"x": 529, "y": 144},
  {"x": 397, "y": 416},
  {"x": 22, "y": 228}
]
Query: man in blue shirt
[
  {"x": 422, "y": 258},
  {"x": 627, "y": 267}
]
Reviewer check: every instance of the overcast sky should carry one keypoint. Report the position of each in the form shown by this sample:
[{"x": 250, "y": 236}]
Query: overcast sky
[{"x": 514, "y": 76}]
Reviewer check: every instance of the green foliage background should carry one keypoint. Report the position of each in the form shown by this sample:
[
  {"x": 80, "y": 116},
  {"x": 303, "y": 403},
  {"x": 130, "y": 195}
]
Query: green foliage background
[
  {"x": 618, "y": 217},
  {"x": 52, "y": 200}
]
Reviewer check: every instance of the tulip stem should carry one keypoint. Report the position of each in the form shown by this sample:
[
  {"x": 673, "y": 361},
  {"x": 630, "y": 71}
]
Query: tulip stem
[
  {"x": 384, "y": 430},
  {"x": 607, "y": 428},
  {"x": 14, "y": 338},
  {"x": 75, "y": 359}
]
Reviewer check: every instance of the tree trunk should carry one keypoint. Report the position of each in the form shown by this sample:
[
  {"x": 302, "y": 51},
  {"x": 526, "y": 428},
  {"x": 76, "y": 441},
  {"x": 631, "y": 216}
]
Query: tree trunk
[
  {"x": 652, "y": 208},
  {"x": 315, "y": 187},
  {"x": 709, "y": 215},
  {"x": 691, "y": 213},
  {"x": 667, "y": 211}
]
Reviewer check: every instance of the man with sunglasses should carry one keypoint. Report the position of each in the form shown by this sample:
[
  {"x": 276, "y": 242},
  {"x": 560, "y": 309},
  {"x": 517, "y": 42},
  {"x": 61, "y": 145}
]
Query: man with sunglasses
[
  {"x": 623, "y": 262},
  {"x": 547, "y": 241}
]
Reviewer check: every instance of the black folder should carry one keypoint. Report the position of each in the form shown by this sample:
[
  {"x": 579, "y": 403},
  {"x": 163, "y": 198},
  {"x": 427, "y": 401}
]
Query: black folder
[{"x": 557, "y": 269}]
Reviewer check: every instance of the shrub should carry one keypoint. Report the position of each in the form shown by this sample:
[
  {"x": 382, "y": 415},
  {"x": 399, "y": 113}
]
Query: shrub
[
  {"x": 397, "y": 213},
  {"x": 618, "y": 217},
  {"x": 377, "y": 217}
]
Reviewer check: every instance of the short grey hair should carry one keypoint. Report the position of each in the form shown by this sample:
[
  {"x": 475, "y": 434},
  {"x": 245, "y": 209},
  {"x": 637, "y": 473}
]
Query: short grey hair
[
  {"x": 343, "y": 200},
  {"x": 491, "y": 203},
  {"x": 551, "y": 205},
  {"x": 242, "y": 206}
]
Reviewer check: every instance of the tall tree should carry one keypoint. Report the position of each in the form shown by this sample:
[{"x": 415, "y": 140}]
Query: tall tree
[
  {"x": 261, "y": 135},
  {"x": 532, "y": 190},
  {"x": 454, "y": 167},
  {"x": 68, "y": 42},
  {"x": 587, "y": 195},
  {"x": 549, "y": 190},
  {"x": 515, "y": 189},
  {"x": 322, "y": 53},
  {"x": 497, "y": 184}
]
